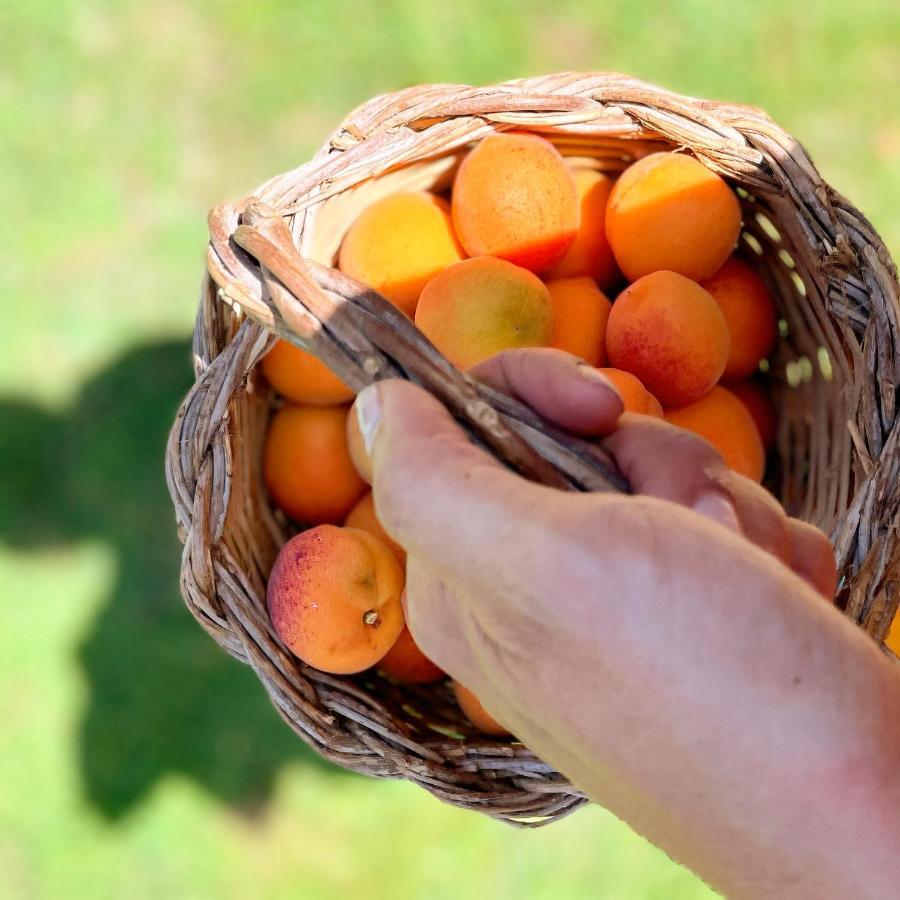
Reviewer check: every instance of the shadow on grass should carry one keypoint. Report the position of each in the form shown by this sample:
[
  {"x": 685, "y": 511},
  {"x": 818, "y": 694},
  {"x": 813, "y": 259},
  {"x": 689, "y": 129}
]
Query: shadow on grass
[{"x": 163, "y": 698}]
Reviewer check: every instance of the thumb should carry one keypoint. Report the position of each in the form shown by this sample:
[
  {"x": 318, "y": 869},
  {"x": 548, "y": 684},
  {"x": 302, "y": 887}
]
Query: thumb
[{"x": 435, "y": 492}]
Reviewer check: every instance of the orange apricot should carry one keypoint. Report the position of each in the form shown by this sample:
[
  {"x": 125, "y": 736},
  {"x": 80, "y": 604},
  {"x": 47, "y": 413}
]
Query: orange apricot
[
  {"x": 759, "y": 404},
  {"x": 668, "y": 211},
  {"x": 476, "y": 713},
  {"x": 671, "y": 334},
  {"x": 580, "y": 311},
  {"x": 725, "y": 422},
  {"x": 398, "y": 244},
  {"x": 892, "y": 641},
  {"x": 635, "y": 396},
  {"x": 749, "y": 310},
  {"x": 478, "y": 307},
  {"x": 406, "y": 663},
  {"x": 303, "y": 378},
  {"x": 364, "y": 517},
  {"x": 306, "y": 464},
  {"x": 590, "y": 253},
  {"x": 334, "y": 598},
  {"x": 357, "y": 449},
  {"x": 515, "y": 198}
]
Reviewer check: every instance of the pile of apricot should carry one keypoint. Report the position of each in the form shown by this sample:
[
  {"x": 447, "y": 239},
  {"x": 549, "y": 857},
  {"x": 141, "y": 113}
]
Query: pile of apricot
[{"x": 637, "y": 275}]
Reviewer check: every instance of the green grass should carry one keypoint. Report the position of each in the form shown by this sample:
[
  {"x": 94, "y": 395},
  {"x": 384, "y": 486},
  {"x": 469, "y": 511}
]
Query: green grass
[{"x": 136, "y": 759}]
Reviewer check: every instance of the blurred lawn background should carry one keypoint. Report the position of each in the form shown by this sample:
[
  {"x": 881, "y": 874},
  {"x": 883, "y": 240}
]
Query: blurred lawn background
[{"x": 137, "y": 760}]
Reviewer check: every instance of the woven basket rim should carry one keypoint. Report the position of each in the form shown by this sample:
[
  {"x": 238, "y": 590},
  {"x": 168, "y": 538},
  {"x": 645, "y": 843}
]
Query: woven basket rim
[{"x": 264, "y": 279}]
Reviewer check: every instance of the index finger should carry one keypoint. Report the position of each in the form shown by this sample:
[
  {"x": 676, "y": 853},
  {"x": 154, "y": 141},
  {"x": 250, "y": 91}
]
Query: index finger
[{"x": 562, "y": 388}]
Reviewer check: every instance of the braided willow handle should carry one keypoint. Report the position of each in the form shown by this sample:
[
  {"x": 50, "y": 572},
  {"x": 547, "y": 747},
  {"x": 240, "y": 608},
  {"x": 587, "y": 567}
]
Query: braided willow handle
[{"x": 364, "y": 338}]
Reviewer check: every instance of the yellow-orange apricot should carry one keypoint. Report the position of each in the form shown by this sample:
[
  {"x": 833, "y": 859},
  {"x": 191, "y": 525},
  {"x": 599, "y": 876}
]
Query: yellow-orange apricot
[
  {"x": 635, "y": 396},
  {"x": 590, "y": 253},
  {"x": 515, "y": 198},
  {"x": 478, "y": 307},
  {"x": 759, "y": 404},
  {"x": 406, "y": 663},
  {"x": 668, "y": 211},
  {"x": 306, "y": 465},
  {"x": 303, "y": 378},
  {"x": 334, "y": 598},
  {"x": 580, "y": 311},
  {"x": 398, "y": 243},
  {"x": 725, "y": 422},
  {"x": 363, "y": 516},
  {"x": 669, "y": 332},
  {"x": 749, "y": 310},
  {"x": 475, "y": 712}
]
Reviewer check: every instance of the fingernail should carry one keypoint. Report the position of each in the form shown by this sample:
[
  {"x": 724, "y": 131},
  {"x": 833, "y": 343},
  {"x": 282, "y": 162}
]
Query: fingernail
[
  {"x": 368, "y": 415},
  {"x": 589, "y": 373},
  {"x": 716, "y": 506}
]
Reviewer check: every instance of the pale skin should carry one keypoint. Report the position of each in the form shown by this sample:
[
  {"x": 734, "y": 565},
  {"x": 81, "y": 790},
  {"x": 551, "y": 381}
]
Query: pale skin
[{"x": 672, "y": 652}]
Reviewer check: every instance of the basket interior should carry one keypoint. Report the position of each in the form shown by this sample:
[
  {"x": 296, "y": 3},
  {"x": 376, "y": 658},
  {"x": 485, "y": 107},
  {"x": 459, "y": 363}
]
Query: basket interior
[
  {"x": 810, "y": 469},
  {"x": 810, "y": 370}
]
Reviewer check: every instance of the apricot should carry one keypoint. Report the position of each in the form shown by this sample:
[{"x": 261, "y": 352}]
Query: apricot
[
  {"x": 749, "y": 310},
  {"x": 398, "y": 244},
  {"x": 306, "y": 464},
  {"x": 357, "y": 449},
  {"x": 303, "y": 378},
  {"x": 590, "y": 253},
  {"x": 515, "y": 198},
  {"x": 668, "y": 211},
  {"x": 478, "y": 307},
  {"x": 759, "y": 404},
  {"x": 363, "y": 516},
  {"x": 892, "y": 641},
  {"x": 475, "y": 712},
  {"x": 406, "y": 663},
  {"x": 635, "y": 396},
  {"x": 725, "y": 422},
  {"x": 334, "y": 598},
  {"x": 671, "y": 334},
  {"x": 580, "y": 311}
]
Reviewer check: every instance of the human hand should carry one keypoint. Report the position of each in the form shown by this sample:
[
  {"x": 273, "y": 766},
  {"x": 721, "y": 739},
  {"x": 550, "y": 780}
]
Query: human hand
[{"x": 669, "y": 651}]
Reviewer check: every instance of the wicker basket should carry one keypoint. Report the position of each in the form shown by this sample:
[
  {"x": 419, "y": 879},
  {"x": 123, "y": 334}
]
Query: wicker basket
[{"x": 836, "y": 371}]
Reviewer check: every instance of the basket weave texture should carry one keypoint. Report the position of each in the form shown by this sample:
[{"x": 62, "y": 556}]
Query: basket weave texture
[{"x": 835, "y": 372}]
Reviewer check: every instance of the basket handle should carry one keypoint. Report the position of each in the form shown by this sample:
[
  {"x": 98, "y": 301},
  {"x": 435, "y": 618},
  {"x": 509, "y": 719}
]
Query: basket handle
[{"x": 364, "y": 338}]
